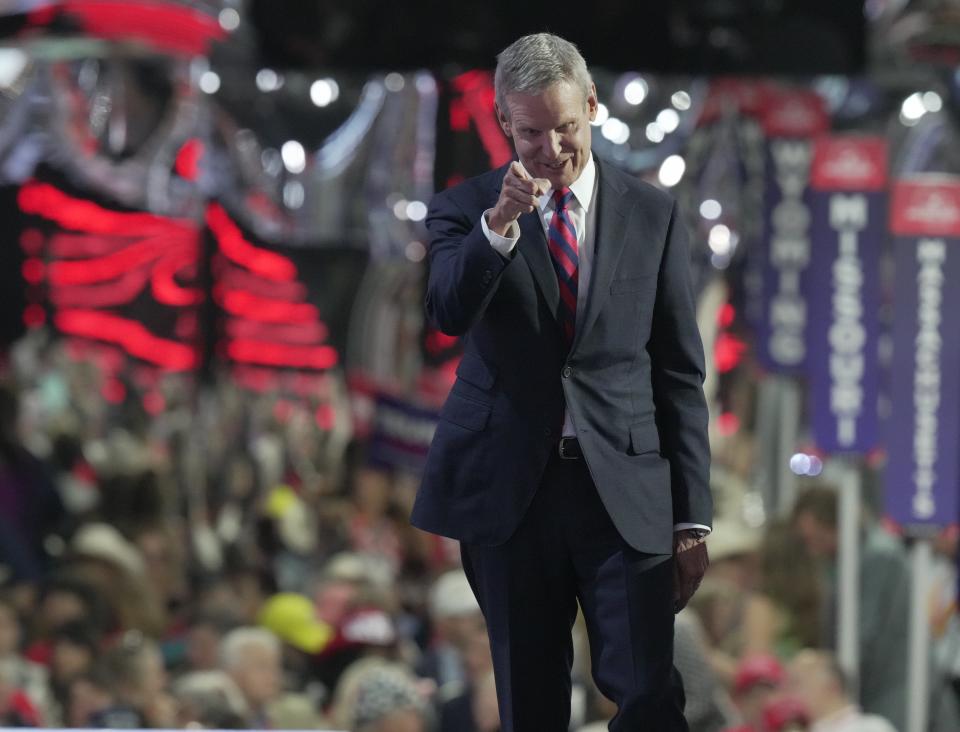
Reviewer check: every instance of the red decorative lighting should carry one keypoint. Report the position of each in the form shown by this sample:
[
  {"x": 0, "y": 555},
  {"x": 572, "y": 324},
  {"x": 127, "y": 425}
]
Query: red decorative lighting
[
  {"x": 477, "y": 95},
  {"x": 279, "y": 354},
  {"x": 728, "y": 352},
  {"x": 171, "y": 27},
  {"x": 248, "y": 305},
  {"x": 239, "y": 250},
  {"x": 131, "y": 336},
  {"x": 33, "y": 271},
  {"x": 187, "y": 164},
  {"x": 34, "y": 316}
]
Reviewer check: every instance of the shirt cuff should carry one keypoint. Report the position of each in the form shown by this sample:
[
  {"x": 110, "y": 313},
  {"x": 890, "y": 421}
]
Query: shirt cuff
[
  {"x": 685, "y": 526},
  {"x": 503, "y": 244}
]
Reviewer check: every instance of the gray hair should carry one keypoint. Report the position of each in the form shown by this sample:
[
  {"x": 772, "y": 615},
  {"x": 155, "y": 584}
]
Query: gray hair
[
  {"x": 235, "y": 644},
  {"x": 212, "y": 695},
  {"x": 536, "y": 62}
]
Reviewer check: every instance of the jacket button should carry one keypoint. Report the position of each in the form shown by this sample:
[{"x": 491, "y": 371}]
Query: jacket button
[
  {"x": 547, "y": 432},
  {"x": 567, "y": 372}
]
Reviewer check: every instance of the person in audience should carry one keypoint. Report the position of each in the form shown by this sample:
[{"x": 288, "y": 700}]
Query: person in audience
[
  {"x": 707, "y": 703},
  {"x": 211, "y": 699},
  {"x": 251, "y": 657},
  {"x": 474, "y": 707},
  {"x": 884, "y": 599},
  {"x": 820, "y": 685},
  {"x": 65, "y": 598},
  {"x": 93, "y": 702},
  {"x": 757, "y": 682},
  {"x": 32, "y": 678},
  {"x": 202, "y": 639},
  {"x": 74, "y": 647},
  {"x": 16, "y": 708},
  {"x": 30, "y": 506},
  {"x": 455, "y": 617},
  {"x": 379, "y": 696},
  {"x": 785, "y": 714},
  {"x": 140, "y": 680}
]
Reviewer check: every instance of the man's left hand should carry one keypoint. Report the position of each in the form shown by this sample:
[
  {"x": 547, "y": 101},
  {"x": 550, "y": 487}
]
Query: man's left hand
[{"x": 690, "y": 562}]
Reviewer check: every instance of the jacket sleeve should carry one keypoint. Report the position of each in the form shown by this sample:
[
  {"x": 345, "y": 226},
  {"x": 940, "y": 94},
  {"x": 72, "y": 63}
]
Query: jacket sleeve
[
  {"x": 677, "y": 366},
  {"x": 465, "y": 269}
]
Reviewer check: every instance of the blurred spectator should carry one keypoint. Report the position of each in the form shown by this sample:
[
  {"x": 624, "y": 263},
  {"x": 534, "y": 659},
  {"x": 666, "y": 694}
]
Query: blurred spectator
[
  {"x": 473, "y": 711},
  {"x": 64, "y": 599},
  {"x": 727, "y": 603},
  {"x": 761, "y": 597},
  {"x": 455, "y": 618},
  {"x": 365, "y": 632},
  {"x": 293, "y": 619},
  {"x": 163, "y": 554},
  {"x": 785, "y": 714},
  {"x": 707, "y": 704},
  {"x": 73, "y": 648},
  {"x": 945, "y": 631},
  {"x": 16, "y": 708},
  {"x": 210, "y": 699},
  {"x": 203, "y": 637},
  {"x": 372, "y": 528},
  {"x": 816, "y": 680},
  {"x": 471, "y": 705},
  {"x": 316, "y": 650},
  {"x": 139, "y": 679},
  {"x": 114, "y": 568},
  {"x": 789, "y": 586},
  {"x": 93, "y": 702},
  {"x": 30, "y": 507},
  {"x": 28, "y": 676},
  {"x": 884, "y": 599},
  {"x": 251, "y": 657},
  {"x": 233, "y": 497},
  {"x": 378, "y": 696},
  {"x": 338, "y": 592},
  {"x": 757, "y": 681}
]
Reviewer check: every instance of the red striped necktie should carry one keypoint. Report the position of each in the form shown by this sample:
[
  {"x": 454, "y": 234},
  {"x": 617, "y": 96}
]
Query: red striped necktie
[{"x": 562, "y": 243}]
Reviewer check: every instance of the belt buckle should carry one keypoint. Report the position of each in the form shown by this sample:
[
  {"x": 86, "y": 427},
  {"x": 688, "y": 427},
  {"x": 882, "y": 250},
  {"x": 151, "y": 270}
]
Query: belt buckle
[{"x": 564, "y": 441}]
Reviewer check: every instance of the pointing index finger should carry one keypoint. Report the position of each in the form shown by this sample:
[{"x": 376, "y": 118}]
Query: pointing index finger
[{"x": 518, "y": 170}]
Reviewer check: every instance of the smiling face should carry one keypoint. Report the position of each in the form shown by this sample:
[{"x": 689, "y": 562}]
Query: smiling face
[{"x": 551, "y": 130}]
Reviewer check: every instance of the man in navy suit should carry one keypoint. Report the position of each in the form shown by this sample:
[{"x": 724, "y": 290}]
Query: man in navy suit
[{"x": 571, "y": 458}]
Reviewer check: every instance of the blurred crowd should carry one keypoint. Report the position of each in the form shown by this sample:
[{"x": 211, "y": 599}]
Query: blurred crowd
[{"x": 210, "y": 557}]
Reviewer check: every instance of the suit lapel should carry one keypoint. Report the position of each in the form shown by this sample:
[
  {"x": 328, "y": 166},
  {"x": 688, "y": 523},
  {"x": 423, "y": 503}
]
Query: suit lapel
[
  {"x": 533, "y": 248},
  {"x": 609, "y": 239}
]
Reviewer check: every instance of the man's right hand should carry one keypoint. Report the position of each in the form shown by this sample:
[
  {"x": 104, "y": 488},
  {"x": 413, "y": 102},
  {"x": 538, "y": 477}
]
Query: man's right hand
[{"x": 519, "y": 194}]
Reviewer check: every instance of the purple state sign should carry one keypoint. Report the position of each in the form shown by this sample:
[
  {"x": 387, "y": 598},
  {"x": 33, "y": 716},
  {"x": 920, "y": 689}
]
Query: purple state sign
[
  {"x": 922, "y": 467},
  {"x": 849, "y": 208},
  {"x": 791, "y": 120}
]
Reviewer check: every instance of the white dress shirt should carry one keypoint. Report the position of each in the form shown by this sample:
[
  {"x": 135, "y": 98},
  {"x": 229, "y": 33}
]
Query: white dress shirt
[{"x": 583, "y": 215}]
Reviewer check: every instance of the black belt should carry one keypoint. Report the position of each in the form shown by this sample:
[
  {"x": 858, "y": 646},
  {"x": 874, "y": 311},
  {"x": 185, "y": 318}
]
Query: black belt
[{"x": 569, "y": 449}]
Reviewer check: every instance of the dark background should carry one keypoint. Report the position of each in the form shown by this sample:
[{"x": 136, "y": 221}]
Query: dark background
[{"x": 694, "y": 36}]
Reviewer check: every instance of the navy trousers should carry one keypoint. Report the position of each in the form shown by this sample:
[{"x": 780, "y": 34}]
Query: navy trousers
[{"x": 567, "y": 550}]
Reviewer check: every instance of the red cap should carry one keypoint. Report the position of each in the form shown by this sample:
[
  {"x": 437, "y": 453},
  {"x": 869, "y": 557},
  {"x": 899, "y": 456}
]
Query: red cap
[
  {"x": 780, "y": 712},
  {"x": 759, "y": 669}
]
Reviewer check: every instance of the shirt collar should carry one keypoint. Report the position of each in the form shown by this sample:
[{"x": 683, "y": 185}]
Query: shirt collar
[{"x": 582, "y": 187}]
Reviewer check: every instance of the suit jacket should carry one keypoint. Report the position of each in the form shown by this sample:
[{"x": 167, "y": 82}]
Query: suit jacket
[{"x": 632, "y": 380}]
